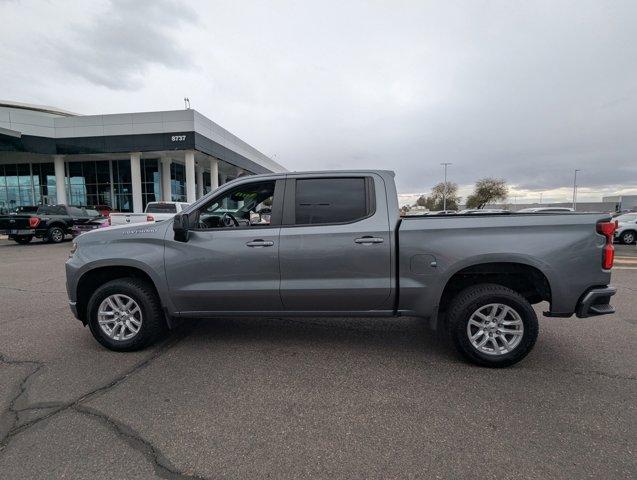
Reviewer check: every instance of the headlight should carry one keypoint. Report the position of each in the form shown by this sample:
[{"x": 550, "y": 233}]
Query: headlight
[{"x": 73, "y": 249}]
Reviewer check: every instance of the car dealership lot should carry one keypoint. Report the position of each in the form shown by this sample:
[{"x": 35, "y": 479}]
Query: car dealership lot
[{"x": 299, "y": 398}]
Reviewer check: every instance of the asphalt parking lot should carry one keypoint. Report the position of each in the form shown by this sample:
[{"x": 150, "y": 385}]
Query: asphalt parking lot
[{"x": 306, "y": 398}]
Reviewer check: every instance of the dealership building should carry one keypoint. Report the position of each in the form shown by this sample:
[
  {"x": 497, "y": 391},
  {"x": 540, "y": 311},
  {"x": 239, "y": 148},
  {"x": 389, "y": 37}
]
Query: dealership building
[{"x": 124, "y": 160}]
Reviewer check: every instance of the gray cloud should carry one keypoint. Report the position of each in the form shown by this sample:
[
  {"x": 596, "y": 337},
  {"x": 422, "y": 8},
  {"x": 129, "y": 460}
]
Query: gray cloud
[
  {"x": 527, "y": 91},
  {"x": 116, "y": 47}
]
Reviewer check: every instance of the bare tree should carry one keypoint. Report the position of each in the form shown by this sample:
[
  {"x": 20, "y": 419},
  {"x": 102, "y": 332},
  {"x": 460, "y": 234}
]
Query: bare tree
[
  {"x": 487, "y": 190},
  {"x": 435, "y": 200}
]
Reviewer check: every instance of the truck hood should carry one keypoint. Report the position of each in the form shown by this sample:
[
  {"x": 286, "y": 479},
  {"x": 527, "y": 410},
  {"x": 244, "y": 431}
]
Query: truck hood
[{"x": 123, "y": 232}]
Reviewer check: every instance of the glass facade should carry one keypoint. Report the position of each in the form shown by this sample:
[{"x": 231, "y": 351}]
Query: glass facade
[
  {"x": 16, "y": 188},
  {"x": 206, "y": 183},
  {"x": 151, "y": 180},
  {"x": 177, "y": 182},
  {"x": 88, "y": 183},
  {"x": 122, "y": 186},
  {"x": 92, "y": 182},
  {"x": 44, "y": 183}
]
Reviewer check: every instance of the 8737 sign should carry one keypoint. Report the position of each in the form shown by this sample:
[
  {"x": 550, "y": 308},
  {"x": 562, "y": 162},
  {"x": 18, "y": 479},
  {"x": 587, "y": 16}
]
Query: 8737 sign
[{"x": 178, "y": 138}]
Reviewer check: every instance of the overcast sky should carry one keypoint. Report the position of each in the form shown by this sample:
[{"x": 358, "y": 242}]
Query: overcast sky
[{"x": 527, "y": 91}]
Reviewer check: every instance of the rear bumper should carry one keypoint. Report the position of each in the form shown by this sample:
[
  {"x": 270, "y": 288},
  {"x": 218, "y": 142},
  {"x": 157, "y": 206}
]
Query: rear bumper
[
  {"x": 596, "y": 302},
  {"x": 12, "y": 232}
]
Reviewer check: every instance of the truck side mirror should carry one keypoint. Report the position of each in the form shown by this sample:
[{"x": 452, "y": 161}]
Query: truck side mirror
[{"x": 181, "y": 226}]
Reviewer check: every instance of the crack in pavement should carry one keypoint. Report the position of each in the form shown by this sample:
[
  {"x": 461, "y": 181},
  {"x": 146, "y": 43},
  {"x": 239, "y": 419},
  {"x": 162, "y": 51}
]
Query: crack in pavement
[
  {"x": 10, "y": 417},
  {"x": 163, "y": 467}
]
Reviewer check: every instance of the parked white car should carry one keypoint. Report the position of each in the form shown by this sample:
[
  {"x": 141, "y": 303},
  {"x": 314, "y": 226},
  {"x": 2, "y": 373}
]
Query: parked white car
[
  {"x": 626, "y": 232},
  {"x": 155, "y": 212}
]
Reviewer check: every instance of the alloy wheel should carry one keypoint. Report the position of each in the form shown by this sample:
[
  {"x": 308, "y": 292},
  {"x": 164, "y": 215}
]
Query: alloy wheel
[
  {"x": 495, "y": 329},
  {"x": 119, "y": 317}
]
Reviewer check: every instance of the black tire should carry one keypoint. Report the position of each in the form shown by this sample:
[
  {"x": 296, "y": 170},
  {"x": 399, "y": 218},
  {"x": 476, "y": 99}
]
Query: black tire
[
  {"x": 469, "y": 301},
  {"x": 55, "y": 234},
  {"x": 23, "y": 239},
  {"x": 628, "y": 237},
  {"x": 153, "y": 322}
]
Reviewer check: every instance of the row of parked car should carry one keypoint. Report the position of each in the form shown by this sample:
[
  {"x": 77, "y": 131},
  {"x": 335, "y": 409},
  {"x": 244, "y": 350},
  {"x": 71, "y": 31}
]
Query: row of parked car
[
  {"x": 52, "y": 223},
  {"x": 483, "y": 211}
]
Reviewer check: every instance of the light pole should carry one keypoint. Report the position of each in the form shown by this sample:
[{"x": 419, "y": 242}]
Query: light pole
[
  {"x": 575, "y": 189},
  {"x": 444, "y": 191}
]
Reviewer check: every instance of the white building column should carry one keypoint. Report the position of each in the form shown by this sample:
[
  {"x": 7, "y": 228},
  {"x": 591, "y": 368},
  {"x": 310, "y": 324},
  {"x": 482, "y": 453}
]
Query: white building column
[
  {"x": 190, "y": 176},
  {"x": 60, "y": 175},
  {"x": 214, "y": 173},
  {"x": 166, "y": 194},
  {"x": 199, "y": 171},
  {"x": 136, "y": 180}
]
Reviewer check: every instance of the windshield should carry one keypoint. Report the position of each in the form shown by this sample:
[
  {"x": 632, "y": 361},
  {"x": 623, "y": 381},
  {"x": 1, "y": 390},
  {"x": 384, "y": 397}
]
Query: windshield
[{"x": 161, "y": 208}]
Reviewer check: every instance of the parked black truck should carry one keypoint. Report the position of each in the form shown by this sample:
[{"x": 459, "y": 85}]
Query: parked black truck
[{"x": 50, "y": 223}]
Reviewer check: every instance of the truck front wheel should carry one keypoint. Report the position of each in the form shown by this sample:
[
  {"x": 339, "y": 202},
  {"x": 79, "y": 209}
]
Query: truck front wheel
[
  {"x": 492, "y": 325},
  {"x": 125, "y": 314}
]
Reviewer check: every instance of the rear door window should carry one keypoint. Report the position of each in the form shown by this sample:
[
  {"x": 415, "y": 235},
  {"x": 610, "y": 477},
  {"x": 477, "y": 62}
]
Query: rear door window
[
  {"x": 74, "y": 212},
  {"x": 331, "y": 200},
  {"x": 52, "y": 210}
]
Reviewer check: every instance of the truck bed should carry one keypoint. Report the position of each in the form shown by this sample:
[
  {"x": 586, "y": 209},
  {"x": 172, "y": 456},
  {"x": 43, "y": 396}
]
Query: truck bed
[{"x": 558, "y": 246}]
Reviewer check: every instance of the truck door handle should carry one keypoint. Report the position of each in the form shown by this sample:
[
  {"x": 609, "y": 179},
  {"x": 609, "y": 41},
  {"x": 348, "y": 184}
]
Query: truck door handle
[
  {"x": 368, "y": 240},
  {"x": 260, "y": 243}
]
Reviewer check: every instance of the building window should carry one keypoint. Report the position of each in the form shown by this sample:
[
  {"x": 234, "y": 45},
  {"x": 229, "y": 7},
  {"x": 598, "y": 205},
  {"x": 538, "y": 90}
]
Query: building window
[
  {"x": 206, "y": 182},
  {"x": 177, "y": 182},
  {"x": 122, "y": 186},
  {"x": 151, "y": 181},
  {"x": 88, "y": 183},
  {"x": 16, "y": 186},
  {"x": 44, "y": 185}
]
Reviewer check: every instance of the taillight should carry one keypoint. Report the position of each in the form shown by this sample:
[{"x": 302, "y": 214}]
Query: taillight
[
  {"x": 608, "y": 252},
  {"x": 34, "y": 222},
  {"x": 150, "y": 218}
]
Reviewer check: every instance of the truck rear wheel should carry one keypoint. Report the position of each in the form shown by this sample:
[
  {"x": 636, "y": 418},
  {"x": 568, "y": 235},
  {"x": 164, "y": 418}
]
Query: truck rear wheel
[
  {"x": 492, "y": 325},
  {"x": 55, "y": 235},
  {"x": 125, "y": 315}
]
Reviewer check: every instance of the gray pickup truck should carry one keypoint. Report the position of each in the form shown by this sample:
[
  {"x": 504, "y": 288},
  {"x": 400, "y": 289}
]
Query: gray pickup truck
[{"x": 333, "y": 244}]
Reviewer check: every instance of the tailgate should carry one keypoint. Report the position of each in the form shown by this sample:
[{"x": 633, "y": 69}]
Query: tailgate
[{"x": 14, "y": 222}]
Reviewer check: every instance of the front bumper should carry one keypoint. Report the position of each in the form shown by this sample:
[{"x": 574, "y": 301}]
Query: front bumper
[
  {"x": 596, "y": 302},
  {"x": 73, "y": 307}
]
